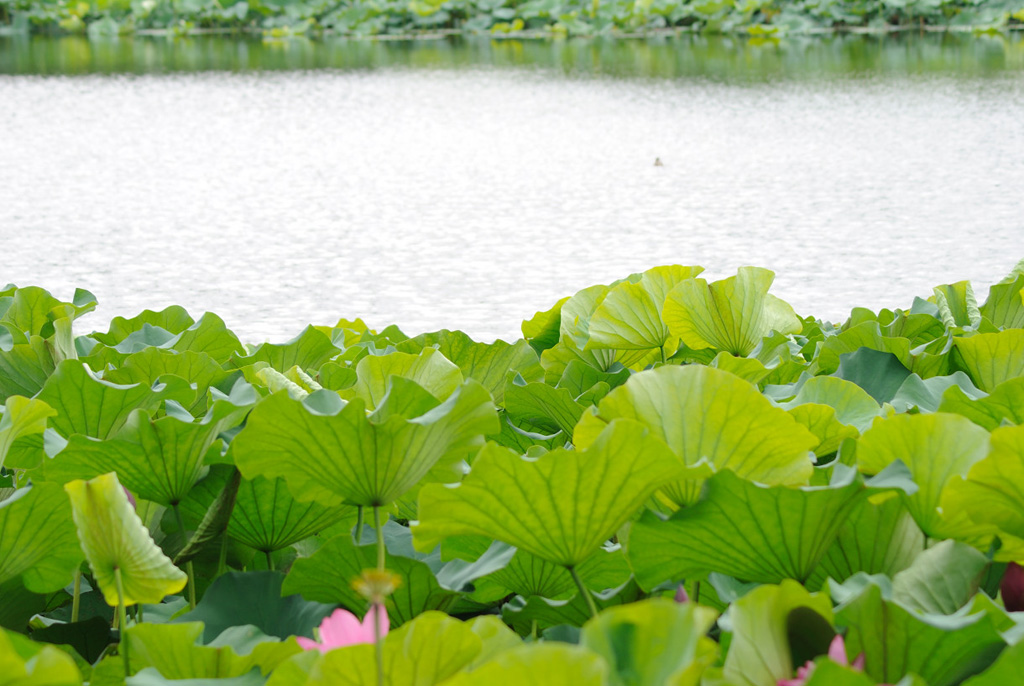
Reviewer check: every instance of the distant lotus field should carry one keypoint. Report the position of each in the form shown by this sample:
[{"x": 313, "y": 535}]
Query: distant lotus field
[{"x": 665, "y": 482}]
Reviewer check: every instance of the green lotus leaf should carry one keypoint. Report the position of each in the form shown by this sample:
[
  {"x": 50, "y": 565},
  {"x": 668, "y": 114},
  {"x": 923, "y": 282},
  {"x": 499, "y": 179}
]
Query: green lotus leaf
[
  {"x": 561, "y": 506},
  {"x": 157, "y": 459},
  {"x": 530, "y": 615},
  {"x": 308, "y": 350},
  {"x": 147, "y": 366},
  {"x": 1005, "y": 670},
  {"x": 88, "y": 405},
  {"x": 943, "y": 650},
  {"x": 993, "y": 491},
  {"x": 487, "y": 363},
  {"x": 215, "y": 520},
  {"x": 708, "y": 416},
  {"x": 941, "y": 580},
  {"x": 731, "y": 315},
  {"x": 151, "y": 677},
  {"x": 852, "y": 404},
  {"x": 880, "y": 374},
  {"x": 528, "y": 575},
  {"x": 1005, "y": 304},
  {"x": 767, "y": 624},
  {"x": 426, "y": 651},
  {"x": 957, "y": 305},
  {"x": 495, "y": 637},
  {"x": 1005, "y": 403},
  {"x": 821, "y": 421},
  {"x": 829, "y": 673},
  {"x": 32, "y": 310},
  {"x": 114, "y": 538},
  {"x": 241, "y": 598},
  {"x": 935, "y": 447},
  {"x": 348, "y": 456},
  {"x": 38, "y": 542},
  {"x": 21, "y": 417},
  {"x": 991, "y": 358},
  {"x": 174, "y": 652},
  {"x": 173, "y": 319},
  {"x": 558, "y": 358},
  {"x": 327, "y": 576},
  {"x": 538, "y": 664},
  {"x": 25, "y": 368},
  {"x": 864, "y": 335},
  {"x": 745, "y": 530},
  {"x": 209, "y": 335},
  {"x": 926, "y": 395},
  {"x": 541, "y": 407},
  {"x": 522, "y": 440},
  {"x": 429, "y": 369},
  {"x": 629, "y": 315},
  {"x": 50, "y": 666},
  {"x": 877, "y": 538},
  {"x": 541, "y": 330},
  {"x": 265, "y": 515},
  {"x": 654, "y": 641}
]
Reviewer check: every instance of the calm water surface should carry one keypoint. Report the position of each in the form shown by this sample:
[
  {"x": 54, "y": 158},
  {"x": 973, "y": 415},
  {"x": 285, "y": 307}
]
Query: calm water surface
[{"x": 468, "y": 184}]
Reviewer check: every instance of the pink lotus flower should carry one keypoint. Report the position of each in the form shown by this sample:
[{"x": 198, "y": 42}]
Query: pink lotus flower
[
  {"x": 836, "y": 653},
  {"x": 342, "y": 628},
  {"x": 681, "y": 595},
  {"x": 1012, "y": 588}
]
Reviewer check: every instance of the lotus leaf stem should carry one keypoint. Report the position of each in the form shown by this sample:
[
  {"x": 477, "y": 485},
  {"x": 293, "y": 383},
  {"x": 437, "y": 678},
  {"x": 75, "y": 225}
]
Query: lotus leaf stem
[
  {"x": 378, "y": 640},
  {"x": 188, "y": 565},
  {"x": 270, "y": 560},
  {"x": 359, "y": 524},
  {"x": 583, "y": 590},
  {"x": 380, "y": 538},
  {"x": 76, "y": 595},
  {"x": 122, "y": 621}
]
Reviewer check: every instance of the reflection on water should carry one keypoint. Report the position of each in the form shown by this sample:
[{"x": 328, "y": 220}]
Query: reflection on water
[
  {"x": 668, "y": 57},
  {"x": 430, "y": 188}
]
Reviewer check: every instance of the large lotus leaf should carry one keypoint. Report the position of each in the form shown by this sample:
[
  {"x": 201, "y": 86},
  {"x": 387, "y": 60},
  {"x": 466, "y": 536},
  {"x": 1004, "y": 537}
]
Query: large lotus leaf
[
  {"x": 935, "y": 447},
  {"x": 25, "y": 367},
  {"x": 308, "y": 350},
  {"x": 821, "y": 421},
  {"x": 941, "y": 579},
  {"x": 31, "y": 309},
  {"x": 654, "y": 641},
  {"x": 745, "y": 530},
  {"x": 991, "y": 358},
  {"x": 1005, "y": 304},
  {"x": 431, "y": 371},
  {"x": 529, "y": 615},
  {"x": 173, "y": 319},
  {"x": 21, "y": 417},
  {"x": 157, "y": 459},
  {"x": 209, "y": 335},
  {"x": 266, "y": 516},
  {"x": 864, "y": 335},
  {"x": 558, "y": 358},
  {"x": 174, "y": 652},
  {"x": 880, "y": 374},
  {"x": 731, "y": 315},
  {"x": 147, "y": 366},
  {"x": 88, "y": 405},
  {"x": 426, "y": 651},
  {"x": 993, "y": 491},
  {"x": 328, "y": 574},
  {"x": 576, "y": 313},
  {"x": 114, "y": 538},
  {"x": 538, "y": 664},
  {"x": 766, "y": 623},
  {"x": 528, "y": 575},
  {"x": 957, "y": 305},
  {"x": 495, "y": 636},
  {"x": 707, "y": 415},
  {"x": 926, "y": 395},
  {"x": 1005, "y": 670},
  {"x": 561, "y": 506},
  {"x": 151, "y": 677},
  {"x": 50, "y": 666},
  {"x": 541, "y": 330},
  {"x": 541, "y": 407},
  {"x": 1006, "y": 403},
  {"x": 344, "y": 456},
  {"x": 629, "y": 316},
  {"x": 37, "y": 538},
  {"x": 239, "y": 598},
  {"x": 941, "y": 649},
  {"x": 487, "y": 363},
  {"x": 852, "y": 404},
  {"x": 829, "y": 673},
  {"x": 877, "y": 538}
]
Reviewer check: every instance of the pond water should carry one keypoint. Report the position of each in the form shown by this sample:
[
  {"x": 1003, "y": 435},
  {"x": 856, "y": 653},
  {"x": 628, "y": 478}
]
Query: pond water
[{"x": 468, "y": 183}]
